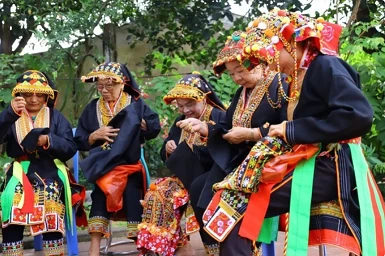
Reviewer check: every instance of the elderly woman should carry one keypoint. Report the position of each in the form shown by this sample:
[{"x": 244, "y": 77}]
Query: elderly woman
[
  {"x": 255, "y": 105},
  {"x": 185, "y": 154},
  {"x": 328, "y": 109},
  {"x": 113, "y": 127},
  {"x": 37, "y": 189}
]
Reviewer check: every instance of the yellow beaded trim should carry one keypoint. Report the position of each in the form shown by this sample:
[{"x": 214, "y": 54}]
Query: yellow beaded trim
[
  {"x": 102, "y": 75},
  {"x": 182, "y": 91},
  {"x": 37, "y": 87},
  {"x": 105, "y": 114}
]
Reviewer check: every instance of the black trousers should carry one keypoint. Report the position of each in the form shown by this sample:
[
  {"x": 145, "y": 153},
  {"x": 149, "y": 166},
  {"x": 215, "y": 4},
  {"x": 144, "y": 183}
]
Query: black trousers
[
  {"x": 195, "y": 193},
  {"x": 14, "y": 233}
]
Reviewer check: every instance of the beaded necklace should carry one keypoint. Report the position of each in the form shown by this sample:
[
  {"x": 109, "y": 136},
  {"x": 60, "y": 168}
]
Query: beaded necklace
[
  {"x": 105, "y": 113},
  {"x": 246, "y": 106}
]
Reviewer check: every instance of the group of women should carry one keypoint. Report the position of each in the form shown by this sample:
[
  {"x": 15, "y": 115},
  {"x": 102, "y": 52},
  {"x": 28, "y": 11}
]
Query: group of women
[{"x": 288, "y": 145}]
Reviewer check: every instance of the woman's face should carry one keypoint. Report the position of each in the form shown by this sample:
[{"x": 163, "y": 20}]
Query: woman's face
[
  {"x": 286, "y": 63},
  {"x": 35, "y": 101},
  {"x": 242, "y": 76},
  {"x": 190, "y": 108},
  {"x": 109, "y": 90}
]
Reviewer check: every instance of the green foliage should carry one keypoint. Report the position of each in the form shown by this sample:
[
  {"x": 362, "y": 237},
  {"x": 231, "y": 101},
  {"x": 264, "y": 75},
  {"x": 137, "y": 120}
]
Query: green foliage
[
  {"x": 193, "y": 30},
  {"x": 4, "y": 160},
  {"x": 371, "y": 67}
]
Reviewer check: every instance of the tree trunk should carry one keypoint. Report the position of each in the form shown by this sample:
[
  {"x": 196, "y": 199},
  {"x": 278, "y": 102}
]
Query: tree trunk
[{"x": 109, "y": 43}]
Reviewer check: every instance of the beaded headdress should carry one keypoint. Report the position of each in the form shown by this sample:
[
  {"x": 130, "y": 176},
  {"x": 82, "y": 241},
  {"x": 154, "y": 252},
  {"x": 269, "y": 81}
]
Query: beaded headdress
[
  {"x": 119, "y": 73},
  {"x": 269, "y": 33},
  {"x": 33, "y": 81},
  {"x": 233, "y": 50},
  {"x": 193, "y": 86}
]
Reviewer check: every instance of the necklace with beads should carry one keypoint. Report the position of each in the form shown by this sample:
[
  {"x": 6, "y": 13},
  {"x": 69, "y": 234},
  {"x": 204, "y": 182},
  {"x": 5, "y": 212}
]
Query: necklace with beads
[
  {"x": 105, "y": 113},
  {"x": 247, "y": 106}
]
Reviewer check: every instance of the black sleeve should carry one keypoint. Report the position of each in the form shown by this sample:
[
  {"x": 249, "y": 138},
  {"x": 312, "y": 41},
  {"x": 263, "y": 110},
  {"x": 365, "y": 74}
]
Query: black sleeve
[
  {"x": 61, "y": 142},
  {"x": 173, "y": 134},
  {"x": 7, "y": 118},
  {"x": 202, "y": 152},
  {"x": 349, "y": 114},
  {"x": 153, "y": 123},
  {"x": 83, "y": 130},
  {"x": 226, "y": 119}
]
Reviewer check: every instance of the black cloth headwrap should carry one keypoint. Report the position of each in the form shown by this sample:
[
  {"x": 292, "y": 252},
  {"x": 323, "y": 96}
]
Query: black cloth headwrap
[
  {"x": 130, "y": 85},
  {"x": 213, "y": 96},
  {"x": 51, "y": 102}
]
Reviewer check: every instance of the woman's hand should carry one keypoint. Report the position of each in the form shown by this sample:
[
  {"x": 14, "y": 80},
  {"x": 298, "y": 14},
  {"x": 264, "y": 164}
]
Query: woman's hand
[
  {"x": 18, "y": 104},
  {"x": 278, "y": 130},
  {"x": 42, "y": 141},
  {"x": 193, "y": 125},
  {"x": 238, "y": 135},
  {"x": 143, "y": 125},
  {"x": 106, "y": 133},
  {"x": 170, "y": 146}
]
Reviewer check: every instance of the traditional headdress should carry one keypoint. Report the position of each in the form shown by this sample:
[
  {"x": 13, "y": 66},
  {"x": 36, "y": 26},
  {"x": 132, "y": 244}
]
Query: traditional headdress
[
  {"x": 119, "y": 73},
  {"x": 233, "y": 50},
  {"x": 269, "y": 33},
  {"x": 33, "y": 81},
  {"x": 193, "y": 86}
]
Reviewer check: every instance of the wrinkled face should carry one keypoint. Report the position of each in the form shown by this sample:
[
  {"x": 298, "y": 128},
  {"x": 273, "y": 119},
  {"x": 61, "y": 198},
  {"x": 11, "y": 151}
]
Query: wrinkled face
[
  {"x": 109, "y": 90},
  {"x": 35, "y": 101},
  {"x": 190, "y": 108},
  {"x": 242, "y": 76}
]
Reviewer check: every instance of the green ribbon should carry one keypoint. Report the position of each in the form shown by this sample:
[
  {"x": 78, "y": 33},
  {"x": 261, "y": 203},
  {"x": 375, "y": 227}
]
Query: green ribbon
[
  {"x": 368, "y": 225},
  {"x": 9, "y": 191},
  {"x": 63, "y": 175},
  {"x": 300, "y": 204},
  {"x": 269, "y": 230}
]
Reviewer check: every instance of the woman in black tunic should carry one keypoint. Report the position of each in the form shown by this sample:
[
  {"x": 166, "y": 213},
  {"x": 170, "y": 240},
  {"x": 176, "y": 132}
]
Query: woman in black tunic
[
  {"x": 326, "y": 109},
  {"x": 255, "y": 105},
  {"x": 186, "y": 156},
  {"x": 113, "y": 128},
  {"x": 37, "y": 191}
]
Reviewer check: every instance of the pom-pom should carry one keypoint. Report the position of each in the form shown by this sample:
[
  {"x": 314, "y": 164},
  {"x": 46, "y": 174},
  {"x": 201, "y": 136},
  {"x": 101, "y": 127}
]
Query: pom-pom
[{"x": 269, "y": 33}]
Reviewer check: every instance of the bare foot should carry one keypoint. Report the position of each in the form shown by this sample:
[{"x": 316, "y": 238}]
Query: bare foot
[
  {"x": 91, "y": 253},
  {"x": 186, "y": 250}
]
